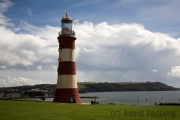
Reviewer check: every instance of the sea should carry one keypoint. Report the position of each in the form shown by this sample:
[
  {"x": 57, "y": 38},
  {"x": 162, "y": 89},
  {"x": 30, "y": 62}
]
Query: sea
[{"x": 132, "y": 97}]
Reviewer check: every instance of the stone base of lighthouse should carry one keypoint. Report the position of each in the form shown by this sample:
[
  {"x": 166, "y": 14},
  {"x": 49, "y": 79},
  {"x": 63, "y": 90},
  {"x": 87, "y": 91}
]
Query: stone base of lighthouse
[
  {"x": 67, "y": 95},
  {"x": 67, "y": 90}
]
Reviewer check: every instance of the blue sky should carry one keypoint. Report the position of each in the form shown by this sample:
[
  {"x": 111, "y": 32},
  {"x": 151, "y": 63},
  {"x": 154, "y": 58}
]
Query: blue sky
[
  {"x": 155, "y": 15},
  {"x": 117, "y": 40}
]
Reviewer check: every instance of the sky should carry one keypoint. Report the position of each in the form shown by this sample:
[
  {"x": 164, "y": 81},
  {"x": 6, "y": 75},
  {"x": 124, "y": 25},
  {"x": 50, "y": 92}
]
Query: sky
[{"x": 117, "y": 40}]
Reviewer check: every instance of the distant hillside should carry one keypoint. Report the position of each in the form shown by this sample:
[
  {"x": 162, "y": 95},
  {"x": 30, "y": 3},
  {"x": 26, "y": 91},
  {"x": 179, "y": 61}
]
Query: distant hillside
[
  {"x": 107, "y": 87},
  {"x": 49, "y": 89}
]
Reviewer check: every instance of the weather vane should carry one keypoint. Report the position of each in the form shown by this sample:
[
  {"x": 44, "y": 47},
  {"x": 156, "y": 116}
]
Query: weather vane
[{"x": 66, "y": 13}]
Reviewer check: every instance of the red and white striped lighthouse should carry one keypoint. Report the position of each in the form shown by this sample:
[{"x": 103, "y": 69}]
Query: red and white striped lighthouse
[{"x": 66, "y": 89}]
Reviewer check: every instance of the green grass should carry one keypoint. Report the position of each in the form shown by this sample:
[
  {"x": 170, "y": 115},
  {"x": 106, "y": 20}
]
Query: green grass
[{"x": 38, "y": 110}]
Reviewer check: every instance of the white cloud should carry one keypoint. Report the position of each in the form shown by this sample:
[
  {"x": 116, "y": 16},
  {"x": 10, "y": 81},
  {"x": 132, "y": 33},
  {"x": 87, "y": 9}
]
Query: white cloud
[
  {"x": 155, "y": 71},
  {"x": 115, "y": 36},
  {"x": 54, "y": 67},
  {"x": 18, "y": 49},
  {"x": 135, "y": 50},
  {"x": 4, "y": 5},
  {"x": 135, "y": 47},
  {"x": 119, "y": 52},
  {"x": 29, "y": 55},
  {"x": 48, "y": 60},
  {"x": 27, "y": 49},
  {"x": 39, "y": 67},
  {"x": 129, "y": 57},
  {"x": 29, "y": 11},
  {"x": 19, "y": 81},
  {"x": 175, "y": 71},
  {"x": 3, "y": 67}
]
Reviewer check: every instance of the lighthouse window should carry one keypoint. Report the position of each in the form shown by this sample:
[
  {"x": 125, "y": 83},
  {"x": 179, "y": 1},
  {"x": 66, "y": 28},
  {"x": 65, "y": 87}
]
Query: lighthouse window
[{"x": 66, "y": 25}]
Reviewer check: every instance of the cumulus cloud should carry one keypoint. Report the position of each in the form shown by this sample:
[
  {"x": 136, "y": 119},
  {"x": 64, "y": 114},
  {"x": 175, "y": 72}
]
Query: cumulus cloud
[
  {"x": 124, "y": 52},
  {"x": 136, "y": 48},
  {"x": 28, "y": 48},
  {"x": 104, "y": 52},
  {"x": 19, "y": 81},
  {"x": 175, "y": 71},
  {"x": 48, "y": 60},
  {"x": 3, "y": 67},
  {"x": 39, "y": 67}
]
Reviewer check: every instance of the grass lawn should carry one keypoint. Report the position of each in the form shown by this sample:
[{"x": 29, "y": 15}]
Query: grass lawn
[{"x": 38, "y": 110}]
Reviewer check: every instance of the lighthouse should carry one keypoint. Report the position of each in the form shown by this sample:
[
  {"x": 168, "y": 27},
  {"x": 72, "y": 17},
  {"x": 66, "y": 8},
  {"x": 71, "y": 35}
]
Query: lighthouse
[{"x": 66, "y": 88}]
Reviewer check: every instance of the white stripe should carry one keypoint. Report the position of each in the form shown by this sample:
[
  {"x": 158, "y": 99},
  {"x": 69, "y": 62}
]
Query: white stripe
[
  {"x": 67, "y": 55},
  {"x": 66, "y": 81}
]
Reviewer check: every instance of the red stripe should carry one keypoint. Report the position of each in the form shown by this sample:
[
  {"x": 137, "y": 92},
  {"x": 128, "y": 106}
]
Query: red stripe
[
  {"x": 66, "y": 42},
  {"x": 67, "y": 68},
  {"x": 64, "y": 95}
]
